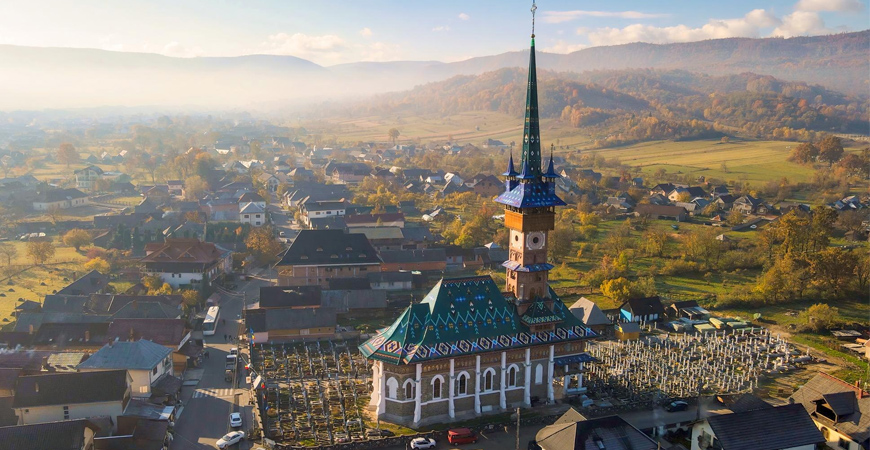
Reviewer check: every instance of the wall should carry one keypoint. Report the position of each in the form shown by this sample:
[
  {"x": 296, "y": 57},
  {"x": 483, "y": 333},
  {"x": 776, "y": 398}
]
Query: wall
[
  {"x": 423, "y": 266},
  {"x": 833, "y": 438},
  {"x": 54, "y": 413},
  {"x": 320, "y": 275}
]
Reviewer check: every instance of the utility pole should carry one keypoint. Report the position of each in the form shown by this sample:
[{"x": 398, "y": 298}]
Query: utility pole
[{"x": 518, "y": 428}]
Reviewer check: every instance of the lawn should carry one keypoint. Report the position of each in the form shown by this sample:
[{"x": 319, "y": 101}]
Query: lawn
[{"x": 35, "y": 282}]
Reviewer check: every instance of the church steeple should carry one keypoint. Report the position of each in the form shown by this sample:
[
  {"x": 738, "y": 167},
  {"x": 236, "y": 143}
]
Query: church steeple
[{"x": 532, "y": 130}]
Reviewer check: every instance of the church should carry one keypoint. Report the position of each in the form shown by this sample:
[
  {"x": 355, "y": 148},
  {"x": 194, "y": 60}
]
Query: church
[{"x": 470, "y": 348}]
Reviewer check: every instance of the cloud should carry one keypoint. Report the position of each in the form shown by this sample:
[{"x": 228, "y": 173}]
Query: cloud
[
  {"x": 441, "y": 28},
  {"x": 801, "y": 23},
  {"x": 829, "y": 5},
  {"x": 564, "y": 47},
  {"x": 303, "y": 45},
  {"x": 463, "y": 16},
  {"x": 750, "y": 25},
  {"x": 365, "y": 32},
  {"x": 567, "y": 16}
]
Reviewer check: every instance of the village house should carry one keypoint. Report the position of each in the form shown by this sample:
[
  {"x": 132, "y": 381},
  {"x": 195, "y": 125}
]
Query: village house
[
  {"x": 841, "y": 411},
  {"x": 375, "y": 220},
  {"x": 92, "y": 282},
  {"x": 186, "y": 262},
  {"x": 269, "y": 182},
  {"x": 663, "y": 212},
  {"x": 60, "y": 199},
  {"x": 86, "y": 178},
  {"x": 648, "y": 309},
  {"x": 786, "y": 427},
  {"x": 587, "y": 311},
  {"x": 381, "y": 238},
  {"x": 252, "y": 213},
  {"x": 272, "y": 297},
  {"x": 291, "y": 324},
  {"x": 392, "y": 281},
  {"x": 573, "y": 431},
  {"x": 67, "y": 434},
  {"x": 748, "y": 204},
  {"x": 316, "y": 256},
  {"x": 422, "y": 260},
  {"x": 310, "y": 210},
  {"x": 170, "y": 333},
  {"x": 50, "y": 398},
  {"x": 485, "y": 185},
  {"x": 145, "y": 361}
]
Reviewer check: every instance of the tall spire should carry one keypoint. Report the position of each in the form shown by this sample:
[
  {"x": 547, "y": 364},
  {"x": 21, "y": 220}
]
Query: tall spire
[
  {"x": 531, "y": 130},
  {"x": 511, "y": 172}
]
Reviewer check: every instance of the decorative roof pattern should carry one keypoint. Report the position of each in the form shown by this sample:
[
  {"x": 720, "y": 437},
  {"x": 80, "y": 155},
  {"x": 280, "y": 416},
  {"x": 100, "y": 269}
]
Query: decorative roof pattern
[
  {"x": 539, "y": 314},
  {"x": 465, "y": 316},
  {"x": 530, "y": 195}
]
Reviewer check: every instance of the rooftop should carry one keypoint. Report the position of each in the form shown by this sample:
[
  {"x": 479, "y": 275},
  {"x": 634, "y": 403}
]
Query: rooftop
[
  {"x": 329, "y": 247},
  {"x": 54, "y": 388},
  {"x": 65, "y": 435},
  {"x": 135, "y": 355},
  {"x": 786, "y": 426}
]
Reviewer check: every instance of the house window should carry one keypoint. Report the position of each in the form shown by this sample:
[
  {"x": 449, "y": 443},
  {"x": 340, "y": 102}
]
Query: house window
[
  {"x": 539, "y": 374},
  {"x": 154, "y": 370},
  {"x": 436, "y": 388},
  {"x": 462, "y": 383},
  {"x": 66, "y": 413},
  {"x": 512, "y": 376},
  {"x": 488, "y": 380},
  {"x": 844, "y": 444},
  {"x": 305, "y": 331}
]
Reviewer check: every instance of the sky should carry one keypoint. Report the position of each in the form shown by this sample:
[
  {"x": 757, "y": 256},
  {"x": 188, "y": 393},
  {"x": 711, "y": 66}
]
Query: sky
[{"x": 330, "y": 32}]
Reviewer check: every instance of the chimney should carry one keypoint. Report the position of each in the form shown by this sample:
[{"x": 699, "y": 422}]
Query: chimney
[
  {"x": 87, "y": 335},
  {"x": 131, "y": 333}
]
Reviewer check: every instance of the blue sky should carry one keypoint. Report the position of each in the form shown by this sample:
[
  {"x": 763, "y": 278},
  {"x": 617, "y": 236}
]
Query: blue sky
[{"x": 332, "y": 32}]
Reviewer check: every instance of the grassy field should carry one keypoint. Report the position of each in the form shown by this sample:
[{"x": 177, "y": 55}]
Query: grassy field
[{"x": 33, "y": 283}]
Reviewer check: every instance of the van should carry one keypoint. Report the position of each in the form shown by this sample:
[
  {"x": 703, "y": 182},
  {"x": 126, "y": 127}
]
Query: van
[
  {"x": 234, "y": 351},
  {"x": 458, "y": 436}
]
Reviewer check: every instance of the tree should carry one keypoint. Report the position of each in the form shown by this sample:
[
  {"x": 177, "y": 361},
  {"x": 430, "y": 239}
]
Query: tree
[
  {"x": 735, "y": 218},
  {"x": 394, "y": 134},
  {"x": 804, "y": 153},
  {"x": 830, "y": 149},
  {"x": 194, "y": 187},
  {"x": 617, "y": 289},
  {"x": 9, "y": 251},
  {"x": 263, "y": 245},
  {"x": 40, "y": 251},
  {"x": 152, "y": 282},
  {"x": 190, "y": 297},
  {"x": 653, "y": 242},
  {"x": 851, "y": 221},
  {"x": 77, "y": 238},
  {"x": 54, "y": 214},
  {"x": 67, "y": 154},
  {"x": 821, "y": 317},
  {"x": 98, "y": 264}
]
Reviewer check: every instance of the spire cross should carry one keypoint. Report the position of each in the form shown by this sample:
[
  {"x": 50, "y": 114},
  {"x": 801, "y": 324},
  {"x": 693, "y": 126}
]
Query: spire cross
[{"x": 534, "y": 8}]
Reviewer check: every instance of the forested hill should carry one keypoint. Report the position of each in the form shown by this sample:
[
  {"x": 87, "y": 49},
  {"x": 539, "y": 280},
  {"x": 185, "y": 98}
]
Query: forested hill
[{"x": 682, "y": 104}]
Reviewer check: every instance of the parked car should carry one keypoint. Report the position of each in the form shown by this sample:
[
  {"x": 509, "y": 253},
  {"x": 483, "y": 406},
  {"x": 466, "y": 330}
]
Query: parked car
[
  {"x": 235, "y": 420},
  {"x": 677, "y": 405},
  {"x": 422, "y": 443},
  {"x": 234, "y": 351},
  {"x": 459, "y": 436},
  {"x": 231, "y": 438}
]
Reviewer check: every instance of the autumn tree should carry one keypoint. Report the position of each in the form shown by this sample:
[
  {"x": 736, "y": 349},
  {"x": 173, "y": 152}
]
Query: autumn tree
[
  {"x": 67, "y": 154},
  {"x": 190, "y": 297},
  {"x": 98, "y": 264},
  {"x": 821, "y": 317},
  {"x": 735, "y": 218},
  {"x": 77, "y": 238},
  {"x": 40, "y": 251},
  {"x": 152, "y": 282},
  {"x": 561, "y": 239},
  {"x": 617, "y": 289},
  {"x": 804, "y": 153},
  {"x": 653, "y": 242},
  {"x": 263, "y": 245},
  {"x": 830, "y": 149},
  {"x": 394, "y": 134},
  {"x": 8, "y": 251},
  {"x": 194, "y": 187}
]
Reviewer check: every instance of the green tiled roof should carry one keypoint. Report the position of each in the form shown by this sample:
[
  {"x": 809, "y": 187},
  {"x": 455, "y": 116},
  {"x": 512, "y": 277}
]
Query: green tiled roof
[
  {"x": 465, "y": 316},
  {"x": 538, "y": 314}
]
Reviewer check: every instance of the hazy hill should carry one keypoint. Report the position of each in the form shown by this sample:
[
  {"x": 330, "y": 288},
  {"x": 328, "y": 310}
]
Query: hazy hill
[
  {"x": 678, "y": 104},
  {"x": 34, "y": 78}
]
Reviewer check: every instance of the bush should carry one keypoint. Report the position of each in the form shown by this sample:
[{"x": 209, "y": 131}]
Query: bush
[{"x": 679, "y": 267}]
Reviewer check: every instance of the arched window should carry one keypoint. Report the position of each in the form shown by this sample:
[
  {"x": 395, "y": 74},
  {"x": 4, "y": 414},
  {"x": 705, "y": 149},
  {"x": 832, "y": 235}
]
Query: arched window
[
  {"x": 462, "y": 384},
  {"x": 392, "y": 388},
  {"x": 512, "y": 376},
  {"x": 410, "y": 390},
  {"x": 488, "y": 380},
  {"x": 436, "y": 387},
  {"x": 539, "y": 374}
]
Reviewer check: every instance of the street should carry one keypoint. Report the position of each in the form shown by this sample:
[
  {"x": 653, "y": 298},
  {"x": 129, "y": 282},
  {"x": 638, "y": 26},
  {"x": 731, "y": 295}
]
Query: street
[{"x": 205, "y": 416}]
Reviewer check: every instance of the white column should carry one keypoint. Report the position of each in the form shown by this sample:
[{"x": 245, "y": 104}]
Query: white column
[
  {"x": 477, "y": 385},
  {"x": 550, "y": 398},
  {"x": 580, "y": 377},
  {"x": 527, "y": 379},
  {"x": 375, "y": 385},
  {"x": 502, "y": 401},
  {"x": 450, "y": 408},
  {"x": 382, "y": 389},
  {"x": 418, "y": 394},
  {"x": 565, "y": 380}
]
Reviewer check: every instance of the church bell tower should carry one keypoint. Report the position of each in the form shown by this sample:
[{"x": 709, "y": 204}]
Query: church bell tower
[{"x": 530, "y": 203}]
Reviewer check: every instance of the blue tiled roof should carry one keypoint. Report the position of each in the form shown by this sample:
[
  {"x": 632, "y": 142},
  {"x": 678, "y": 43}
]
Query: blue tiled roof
[
  {"x": 517, "y": 267},
  {"x": 530, "y": 195},
  {"x": 574, "y": 359}
]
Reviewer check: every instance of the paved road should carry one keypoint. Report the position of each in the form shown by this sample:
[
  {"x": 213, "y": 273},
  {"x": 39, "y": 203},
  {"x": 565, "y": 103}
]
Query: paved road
[{"x": 205, "y": 417}]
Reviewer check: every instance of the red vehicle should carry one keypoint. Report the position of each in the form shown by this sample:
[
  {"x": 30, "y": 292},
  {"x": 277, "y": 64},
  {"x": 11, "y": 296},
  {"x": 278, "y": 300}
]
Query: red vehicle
[{"x": 458, "y": 436}]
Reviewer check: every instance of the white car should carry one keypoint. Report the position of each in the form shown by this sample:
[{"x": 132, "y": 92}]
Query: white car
[
  {"x": 230, "y": 438},
  {"x": 235, "y": 420},
  {"x": 422, "y": 443}
]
